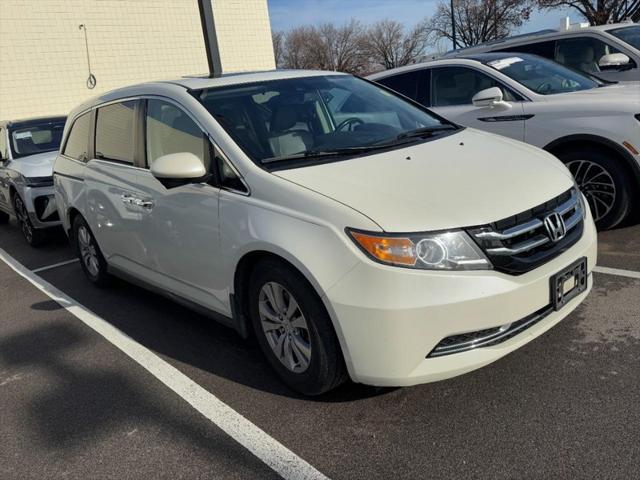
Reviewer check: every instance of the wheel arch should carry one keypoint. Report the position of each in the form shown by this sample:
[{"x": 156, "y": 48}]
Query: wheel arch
[
  {"x": 242, "y": 275},
  {"x": 72, "y": 213},
  {"x": 602, "y": 143}
]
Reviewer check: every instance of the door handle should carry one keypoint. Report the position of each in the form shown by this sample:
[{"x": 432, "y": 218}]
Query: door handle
[{"x": 138, "y": 202}]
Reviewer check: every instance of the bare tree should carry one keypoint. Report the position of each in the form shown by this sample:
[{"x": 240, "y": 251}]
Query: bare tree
[
  {"x": 326, "y": 47},
  {"x": 278, "y": 48},
  {"x": 599, "y": 12},
  {"x": 300, "y": 48},
  {"x": 478, "y": 21},
  {"x": 342, "y": 47},
  {"x": 389, "y": 45}
]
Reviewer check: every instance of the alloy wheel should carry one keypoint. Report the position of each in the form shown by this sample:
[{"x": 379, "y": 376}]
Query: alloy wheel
[
  {"x": 597, "y": 185},
  {"x": 285, "y": 327},
  {"x": 88, "y": 252},
  {"x": 23, "y": 219}
]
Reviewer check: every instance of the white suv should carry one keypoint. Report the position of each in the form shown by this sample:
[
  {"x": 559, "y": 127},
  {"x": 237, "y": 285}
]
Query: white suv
[
  {"x": 593, "y": 127},
  {"x": 350, "y": 230},
  {"x": 28, "y": 149},
  {"x": 611, "y": 52}
]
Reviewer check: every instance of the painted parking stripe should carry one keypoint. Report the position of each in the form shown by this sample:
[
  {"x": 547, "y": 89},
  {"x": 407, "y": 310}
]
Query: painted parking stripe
[
  {"x": 617, "y": 271},
  {"x": 257, "y": 441},
  {"x": 55, "y": 265}
]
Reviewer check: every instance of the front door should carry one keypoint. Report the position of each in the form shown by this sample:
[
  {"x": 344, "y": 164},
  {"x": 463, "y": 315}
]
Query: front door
[
  {"x": 452, "y": 90},
  {"x": 180, "y": 229}
]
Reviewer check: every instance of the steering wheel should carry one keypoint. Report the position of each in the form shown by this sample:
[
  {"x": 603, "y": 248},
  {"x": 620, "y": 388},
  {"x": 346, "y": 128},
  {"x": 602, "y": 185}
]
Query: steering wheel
[
  {"x": 350, "y": 122},
  {"x": 545, "y": 87}
]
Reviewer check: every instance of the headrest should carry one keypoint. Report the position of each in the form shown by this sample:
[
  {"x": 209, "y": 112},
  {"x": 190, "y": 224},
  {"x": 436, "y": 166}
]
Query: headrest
[{"x": 284, "y": 117}]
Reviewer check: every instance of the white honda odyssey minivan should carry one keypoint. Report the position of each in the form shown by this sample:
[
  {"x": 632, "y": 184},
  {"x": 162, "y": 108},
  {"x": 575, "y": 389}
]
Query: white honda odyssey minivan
[{"x": 353, "y": 232}]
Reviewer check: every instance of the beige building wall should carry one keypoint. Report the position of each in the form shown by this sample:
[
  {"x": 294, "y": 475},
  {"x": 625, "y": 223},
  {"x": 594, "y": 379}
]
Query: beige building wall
[{"x": 43, "y": 59}]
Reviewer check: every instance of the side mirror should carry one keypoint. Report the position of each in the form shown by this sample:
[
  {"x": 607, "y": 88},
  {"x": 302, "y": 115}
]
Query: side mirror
[
  {"x": 614, "y": 61},
  {"x": 177, "y": 169},
  {"x": 491, "y": 97}
]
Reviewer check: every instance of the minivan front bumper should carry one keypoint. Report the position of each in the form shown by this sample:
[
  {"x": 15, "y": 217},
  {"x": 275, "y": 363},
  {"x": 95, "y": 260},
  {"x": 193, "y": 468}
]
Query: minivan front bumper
[{"x": 390, "y": 319}]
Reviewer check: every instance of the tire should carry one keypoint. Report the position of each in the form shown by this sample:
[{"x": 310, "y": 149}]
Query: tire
[
  {"x": 604, "y": 182},
  {"x": 309, "y": 331},
  {"x": 91, "y": 259},
  {"x": 32, "y": 235},
  {"x": 4, "y": 218}
]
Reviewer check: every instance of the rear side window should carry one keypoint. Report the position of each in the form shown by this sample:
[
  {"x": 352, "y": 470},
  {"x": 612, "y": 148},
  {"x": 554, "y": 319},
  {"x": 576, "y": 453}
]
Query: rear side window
[
  {"x": 409, "y": 84},
  {"x": 77, "y": 145},
  {"x": 170, "y": 130},
  {"x": 115, "y": 132},
  {"x": 542, "y": 49}
]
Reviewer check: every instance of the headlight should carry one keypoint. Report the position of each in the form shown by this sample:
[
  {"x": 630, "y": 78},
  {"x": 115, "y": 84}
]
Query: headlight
[
  {"x": 426, "y": 251},
  {"x": 39, "y": 181},
  {"x": 583, "y": 204}
]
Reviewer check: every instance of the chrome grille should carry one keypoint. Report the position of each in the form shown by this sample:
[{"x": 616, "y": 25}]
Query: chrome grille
[{"x": 521, "y": 243}]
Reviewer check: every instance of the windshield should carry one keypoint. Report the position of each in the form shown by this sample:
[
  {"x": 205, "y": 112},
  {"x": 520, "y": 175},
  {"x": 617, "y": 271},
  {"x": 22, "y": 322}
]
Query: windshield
[
  {"x": 36, "y": 138},
  {"x": 542, "y": 76},
  {"x": 630, "y": 35},
  {"x": 307, "y": 118}
]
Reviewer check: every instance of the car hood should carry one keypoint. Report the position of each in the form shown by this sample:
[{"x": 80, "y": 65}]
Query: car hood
[
  {"x": 465, "y": 179},
  {"x": 39, "y": 165}
]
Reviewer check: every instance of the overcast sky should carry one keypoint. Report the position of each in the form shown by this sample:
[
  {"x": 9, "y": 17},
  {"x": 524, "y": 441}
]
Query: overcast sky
[{"x": 291, "y": 13}]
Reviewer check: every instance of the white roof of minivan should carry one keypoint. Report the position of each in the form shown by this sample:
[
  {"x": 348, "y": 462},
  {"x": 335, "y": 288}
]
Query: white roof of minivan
[{"x": 206, "y": 81}]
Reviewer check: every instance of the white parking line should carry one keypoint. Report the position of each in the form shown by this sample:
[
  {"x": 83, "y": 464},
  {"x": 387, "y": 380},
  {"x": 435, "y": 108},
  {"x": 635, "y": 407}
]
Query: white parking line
[
  {"x": 258, "y": 442},
  {"x": 55, "y": 265},
  {"x": 617, "y": 271}
]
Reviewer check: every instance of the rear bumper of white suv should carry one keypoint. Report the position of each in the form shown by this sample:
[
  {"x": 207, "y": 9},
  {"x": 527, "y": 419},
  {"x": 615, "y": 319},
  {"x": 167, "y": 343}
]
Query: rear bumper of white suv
[{"x": 390, "y": 319}]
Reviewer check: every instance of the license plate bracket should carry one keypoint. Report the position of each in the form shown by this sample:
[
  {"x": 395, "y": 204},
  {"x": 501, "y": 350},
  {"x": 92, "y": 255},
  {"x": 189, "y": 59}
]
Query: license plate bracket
[{"x": 569, "y": 283}]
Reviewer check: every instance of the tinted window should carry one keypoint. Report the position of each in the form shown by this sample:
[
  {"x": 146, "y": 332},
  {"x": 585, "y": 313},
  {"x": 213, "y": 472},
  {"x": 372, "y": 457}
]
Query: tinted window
[
  {"x": 77, "y": 145},
  {"x": 582, "y": 53},
  {"x": 457, "y": 85},
  {"x": 170, "y": 130},
  {"x": 276, "y": 119},
  {"x": 115, "y": 132},
  {"x": 630, "y": 35},
  {"x": 542, "y": 76},
  {"x": 408, "y": 84},
  {"x": 36, "y": 138},
  {"x": 544, "y": 49},
  {"x": 228, "y": 177}
]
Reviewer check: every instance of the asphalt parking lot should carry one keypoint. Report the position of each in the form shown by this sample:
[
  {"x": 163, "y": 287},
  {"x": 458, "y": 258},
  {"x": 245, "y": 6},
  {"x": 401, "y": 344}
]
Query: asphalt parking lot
[{"x": 128, "y": 402}]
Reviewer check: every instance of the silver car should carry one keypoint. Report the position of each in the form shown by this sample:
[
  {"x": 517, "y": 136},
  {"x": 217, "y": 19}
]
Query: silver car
[{"x": 28, "y": 149}]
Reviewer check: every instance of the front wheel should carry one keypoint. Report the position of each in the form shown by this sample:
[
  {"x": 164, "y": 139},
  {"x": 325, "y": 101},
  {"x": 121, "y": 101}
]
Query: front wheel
[
  {"x": 33, "y": 237},
  {"x": 294, "y": 330},
  {"x": 91, "y": 259},
  {"x": 603, "y": 182}
]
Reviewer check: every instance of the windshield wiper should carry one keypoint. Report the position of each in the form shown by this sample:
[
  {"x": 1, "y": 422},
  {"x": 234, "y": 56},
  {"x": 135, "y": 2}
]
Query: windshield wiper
[
  {"x": 420, "y": 132},
  {"x": 425, "y": 131},
  {"x": 323, "y": 153}
]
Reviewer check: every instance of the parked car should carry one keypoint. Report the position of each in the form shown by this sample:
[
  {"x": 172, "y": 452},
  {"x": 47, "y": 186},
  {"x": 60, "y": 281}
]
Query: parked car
[
  {"x": 593, "y": 127},
  {"x": 612, "y": 52},
  {"x": 28, "y": 149},
  {"x": 352, "y": 231}
]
